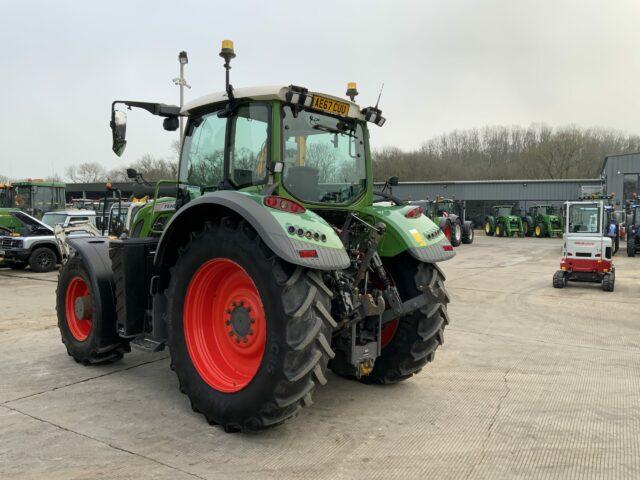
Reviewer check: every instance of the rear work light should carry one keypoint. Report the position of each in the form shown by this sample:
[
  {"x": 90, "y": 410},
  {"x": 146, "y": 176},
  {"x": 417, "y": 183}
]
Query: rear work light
[
  {"x": 414, "y": 212},
  {"x": 284, "y": 204}
]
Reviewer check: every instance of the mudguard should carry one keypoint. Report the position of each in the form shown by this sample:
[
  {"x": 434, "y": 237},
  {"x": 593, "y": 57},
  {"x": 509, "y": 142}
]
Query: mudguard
[
  {"x": 95, "y": 255},
  {"x": 272, "y": 225},
  {"x": 420, "y": 236}
]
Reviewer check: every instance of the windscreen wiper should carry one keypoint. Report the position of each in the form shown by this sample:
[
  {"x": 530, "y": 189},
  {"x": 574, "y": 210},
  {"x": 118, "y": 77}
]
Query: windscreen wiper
[{"x": 333, "y": 130}]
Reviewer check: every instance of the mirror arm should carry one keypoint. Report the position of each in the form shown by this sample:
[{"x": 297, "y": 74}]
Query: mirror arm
[{"x": 160, "y": 109}]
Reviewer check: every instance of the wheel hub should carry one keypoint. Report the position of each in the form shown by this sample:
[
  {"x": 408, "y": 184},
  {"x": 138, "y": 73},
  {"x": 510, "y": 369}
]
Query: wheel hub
[
  {"x": 83, "y": 308},
  {"x": 239, "y": 321}
]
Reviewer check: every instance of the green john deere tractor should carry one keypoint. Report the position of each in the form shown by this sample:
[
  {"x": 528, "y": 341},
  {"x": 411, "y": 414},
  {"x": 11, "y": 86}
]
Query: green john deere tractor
[
  {"x": 276, "y": 265},
  {"x": 542, "y": 221},
  {"x": 503, "y": 222},
  {"x": 35, "y": 197}
]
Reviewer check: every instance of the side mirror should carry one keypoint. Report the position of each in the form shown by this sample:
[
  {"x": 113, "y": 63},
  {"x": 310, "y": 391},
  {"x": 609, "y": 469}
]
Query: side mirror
[
  {"x": 393, "y": 181},
  {"x": 132, "y": 173},
  {"x": 171, "y": 124},
  {"x": 119, "y": 131}
]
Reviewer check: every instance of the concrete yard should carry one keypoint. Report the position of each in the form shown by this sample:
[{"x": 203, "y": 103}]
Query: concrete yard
[{"x": 532, "y": 382}]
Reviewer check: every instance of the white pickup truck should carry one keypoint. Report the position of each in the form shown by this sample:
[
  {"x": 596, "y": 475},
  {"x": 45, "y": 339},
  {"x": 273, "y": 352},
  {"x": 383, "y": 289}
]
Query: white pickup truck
[{"x": 35, "y": 245}]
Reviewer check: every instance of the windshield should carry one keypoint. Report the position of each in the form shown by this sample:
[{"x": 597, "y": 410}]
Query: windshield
[
  {"x": 5, "y": 197},
  {"x": 22, "y": 198},
  {"x": 53, "y": 219},
  {"x": 324, "y": 157},
  {"x": 546, "y": 210},
  {"x": 504, "y": 211},
  {"x": 584, "y": 218}
]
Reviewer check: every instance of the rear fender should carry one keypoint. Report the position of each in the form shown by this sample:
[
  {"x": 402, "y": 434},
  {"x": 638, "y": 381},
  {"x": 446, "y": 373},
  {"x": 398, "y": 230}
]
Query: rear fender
[
  {"x": 421, "y": 237},
  {"x": 272, "y": 226}
]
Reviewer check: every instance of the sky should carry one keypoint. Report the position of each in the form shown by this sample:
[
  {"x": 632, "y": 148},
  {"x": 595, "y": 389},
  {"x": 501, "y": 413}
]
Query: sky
[{"x": 446, "y": 65}]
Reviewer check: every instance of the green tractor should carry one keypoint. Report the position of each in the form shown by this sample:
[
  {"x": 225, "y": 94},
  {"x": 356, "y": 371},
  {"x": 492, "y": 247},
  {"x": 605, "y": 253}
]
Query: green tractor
[
  {"x": 503, "y": 222},
  {"x": 277, "y": 264},
  {"x": 35, "y": 197},
  {"x": 542, "y": 221}
]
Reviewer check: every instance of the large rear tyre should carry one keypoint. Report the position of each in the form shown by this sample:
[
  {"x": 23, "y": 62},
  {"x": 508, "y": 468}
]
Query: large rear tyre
[
  {"x": 87, "y": 325},
  {"x": 410, "y": 342},
  {"x": 249, "y": 334}
]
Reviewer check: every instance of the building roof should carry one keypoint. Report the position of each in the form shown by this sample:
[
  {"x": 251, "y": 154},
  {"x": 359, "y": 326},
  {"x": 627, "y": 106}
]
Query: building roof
[
  {"x": 604, "y": 162},
  {"x": 269, "y": 92}
]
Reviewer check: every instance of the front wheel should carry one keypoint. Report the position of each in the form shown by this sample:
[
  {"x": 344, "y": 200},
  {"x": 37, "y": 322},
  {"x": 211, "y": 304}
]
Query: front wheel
[
  {"x": 631, "y": 246},
  {"x": 456, "y": 234},
  {"x": 540, "y": 230},
  {"x": 488, "y": 228},
  {"x": 468, "y": 234},
  {"x": 559, "y": 279},
  {"x": 499, "y": 230},
  {"x": 42, "y": 260},
  {"x": 87, "y": 323},
  {"x": 608, "y": 282},
  {"x": 249, "y": 334},
  {"x": 411, "y": 341}
]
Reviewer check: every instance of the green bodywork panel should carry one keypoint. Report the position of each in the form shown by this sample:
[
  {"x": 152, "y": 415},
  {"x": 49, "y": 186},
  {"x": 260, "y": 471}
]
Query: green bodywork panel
[
  {"x": 154, "y": 215},
  {"x": 9, "y": 221},
  {"x": 402, "y": 232},
  {"x": 307, "y": 222}
]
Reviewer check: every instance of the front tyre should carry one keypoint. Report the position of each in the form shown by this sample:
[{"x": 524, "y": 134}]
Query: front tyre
[
  {"x": 415, "y": 337},
  {"x": 559, "y": 279},
  {"x": 42, "y": 260},
  {"x": 249, "y": 334},
  {"x": 488, "y": 228},
  {"x": 86, "y": 322},
  {"x": 631, "y": 246},
  {"x": 456, "y": 234}
]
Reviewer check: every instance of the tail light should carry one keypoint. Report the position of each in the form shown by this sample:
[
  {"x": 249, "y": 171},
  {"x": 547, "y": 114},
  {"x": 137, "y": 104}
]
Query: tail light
[
  {"x": 414, "y": 212},
  {"x": 308, "y": 253},
  {"x": 284, "y": 204},
  {"x": 447, "y": 248}
]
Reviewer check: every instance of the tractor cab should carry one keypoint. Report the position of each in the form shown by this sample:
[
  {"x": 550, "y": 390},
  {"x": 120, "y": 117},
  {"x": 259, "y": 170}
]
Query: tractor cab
[
  {"x": 37, "y": 197},
  {"x": 587, "y": 252}
]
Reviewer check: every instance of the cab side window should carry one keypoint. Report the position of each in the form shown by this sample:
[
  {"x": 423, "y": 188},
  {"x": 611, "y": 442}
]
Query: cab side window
[
  {"x": 203, "y": 151},
  {"x": 249, "y": 149}
]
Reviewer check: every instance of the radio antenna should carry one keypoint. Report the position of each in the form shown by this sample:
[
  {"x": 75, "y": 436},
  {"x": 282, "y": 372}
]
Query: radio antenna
[{"x": 379, "y": 95}]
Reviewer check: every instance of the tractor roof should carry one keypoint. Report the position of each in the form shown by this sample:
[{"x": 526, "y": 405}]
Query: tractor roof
[{"x": 271, "y": 92}]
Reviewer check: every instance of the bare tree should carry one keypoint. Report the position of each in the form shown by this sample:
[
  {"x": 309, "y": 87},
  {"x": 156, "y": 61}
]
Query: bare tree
[{"x": 87, "y": 172}]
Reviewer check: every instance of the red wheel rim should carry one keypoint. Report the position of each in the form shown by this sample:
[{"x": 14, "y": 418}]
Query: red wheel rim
[
  {"x": 225, "y": 326},
  {"x": 389, "y": 328},
  {"x": 447, "y": 232},
  {"x": 388, "y": 331},
  {"x": 79, "y": 322}
]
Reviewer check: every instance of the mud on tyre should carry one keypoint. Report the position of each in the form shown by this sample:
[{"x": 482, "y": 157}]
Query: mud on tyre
[{"x": 251, "y": 355}]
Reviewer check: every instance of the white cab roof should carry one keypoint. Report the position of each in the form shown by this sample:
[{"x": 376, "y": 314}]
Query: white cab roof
[{"x": 270, "y": 92}]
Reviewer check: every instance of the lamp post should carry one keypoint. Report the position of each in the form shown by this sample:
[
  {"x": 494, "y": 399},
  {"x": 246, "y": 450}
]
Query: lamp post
[{"x": 183, "y": 60}]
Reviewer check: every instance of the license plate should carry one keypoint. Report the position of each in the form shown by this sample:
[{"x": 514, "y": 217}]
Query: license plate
[{"x": 329, "y": 105}]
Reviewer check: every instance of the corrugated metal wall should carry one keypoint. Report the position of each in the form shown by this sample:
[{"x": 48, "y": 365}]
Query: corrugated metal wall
[
  {"x": 615, "y": 168},
  {"x": 496, "y": 190}
]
